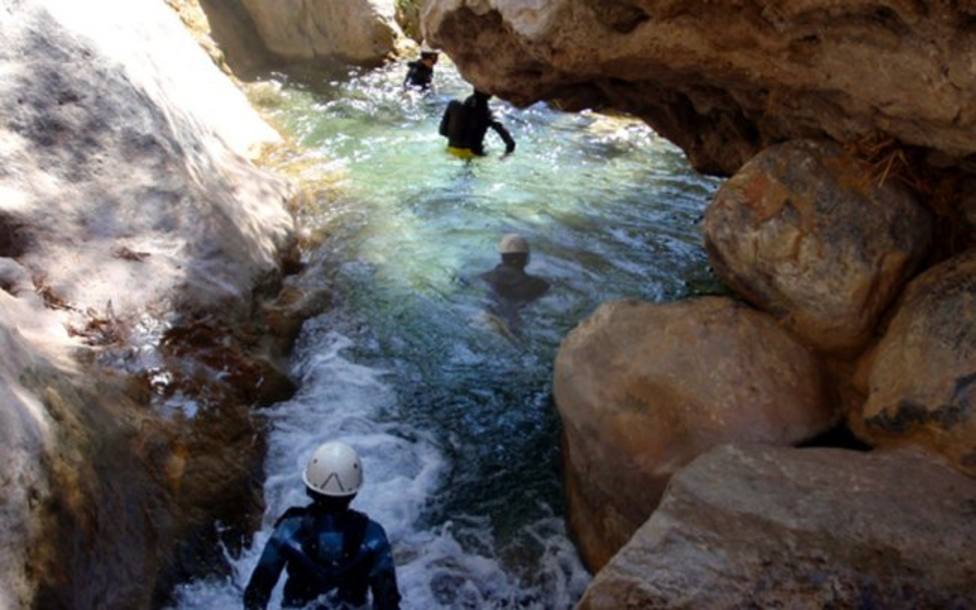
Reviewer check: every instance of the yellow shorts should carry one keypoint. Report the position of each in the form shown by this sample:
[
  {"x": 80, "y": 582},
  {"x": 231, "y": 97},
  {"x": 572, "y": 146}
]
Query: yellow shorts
[{"x": 461, "y": 153}]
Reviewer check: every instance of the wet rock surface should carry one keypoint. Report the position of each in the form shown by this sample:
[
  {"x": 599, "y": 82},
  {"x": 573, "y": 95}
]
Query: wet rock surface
[
  {"x": 725, "y": 79},
  {"x": 761, "y": 527},
  {"x": 922, "y": 381},
  {"x": 138, "y": 241},
  {"x": 643, "y": 389},
  {"x": 360, "y": 31},
  {"x": 804, "y": 232}
]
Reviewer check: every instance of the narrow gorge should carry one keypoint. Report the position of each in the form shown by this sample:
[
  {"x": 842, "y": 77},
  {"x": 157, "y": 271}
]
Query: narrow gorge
[{"x": 228, "y": 234}]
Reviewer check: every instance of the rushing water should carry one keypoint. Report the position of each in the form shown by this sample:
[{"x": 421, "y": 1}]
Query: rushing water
[{"x": 452, "y": 414}]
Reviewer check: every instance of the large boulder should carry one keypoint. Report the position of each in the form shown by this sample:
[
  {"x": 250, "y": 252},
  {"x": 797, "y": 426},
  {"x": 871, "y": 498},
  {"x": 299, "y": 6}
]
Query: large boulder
[
  {"x": 804, "y": 233},
  {"x": 643, "y": 389},
  {"x": 127, "y": 200},
  {"x": 760, "y": 527},
  {"x": 360, "y": 31},
  {"x": 922, "y": 380},
  {"x": 725, "y": 79}
]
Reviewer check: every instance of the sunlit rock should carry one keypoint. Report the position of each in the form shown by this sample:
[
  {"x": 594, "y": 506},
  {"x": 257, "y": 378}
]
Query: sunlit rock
[
  {"x": 922, "y": 381},
  {"x": 126, "y": 198},
  {"x": 643, "y": 389},
  {"x": 804, "y": 233},
  {"x": 760, "y": 527},
  {"x": 360, "y": 31},
  {"x": 725, "y": 79}
]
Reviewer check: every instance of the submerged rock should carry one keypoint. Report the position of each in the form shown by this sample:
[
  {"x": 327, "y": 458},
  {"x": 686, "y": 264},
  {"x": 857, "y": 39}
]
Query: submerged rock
[
  {"x": 643, "y": 389},
  {"x": 804, "y": 233},
  {"x": 360, "y": 31},
  {"x": 725, "y": 79},
  {"x": 922, "y": 381},
  {"x": 761, "y": 527}
]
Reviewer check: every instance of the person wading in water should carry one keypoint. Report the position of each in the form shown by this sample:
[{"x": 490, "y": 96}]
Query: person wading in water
[
  {"x": 511, "y": 287},
  {"x": 420, "y": 73},
  {"x": 333, "y": 554},
  {"x": 465, "y": 124}
]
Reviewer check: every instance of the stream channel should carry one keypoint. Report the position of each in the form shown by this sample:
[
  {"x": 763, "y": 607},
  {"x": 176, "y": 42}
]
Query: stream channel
[{"x": 453, "y": 416}]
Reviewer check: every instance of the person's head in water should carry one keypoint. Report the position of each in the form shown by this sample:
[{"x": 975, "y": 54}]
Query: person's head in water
[
  {"x": 333, "y": 476},
  {"x": 429, "y": 58},
  {"x": 514, "y": 250}
]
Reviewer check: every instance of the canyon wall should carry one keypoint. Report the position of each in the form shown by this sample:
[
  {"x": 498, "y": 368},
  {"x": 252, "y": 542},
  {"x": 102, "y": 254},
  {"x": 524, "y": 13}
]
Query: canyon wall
[
  {"x": 725, "y": 79},
  {"x": 136, "y": 238},
  {"x": 358, "y": 31}
]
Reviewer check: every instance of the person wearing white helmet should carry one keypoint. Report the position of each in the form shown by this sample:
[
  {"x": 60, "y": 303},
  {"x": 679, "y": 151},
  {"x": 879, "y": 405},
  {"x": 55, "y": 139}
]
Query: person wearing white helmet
[
  {"x": 334, "y": 555},
  {"x": 511, "y": 287}
]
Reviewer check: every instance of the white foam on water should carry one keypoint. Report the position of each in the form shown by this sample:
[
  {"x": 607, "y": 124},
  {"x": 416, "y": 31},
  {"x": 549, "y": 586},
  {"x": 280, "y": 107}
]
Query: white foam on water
[{"x": 405, "y": 471}]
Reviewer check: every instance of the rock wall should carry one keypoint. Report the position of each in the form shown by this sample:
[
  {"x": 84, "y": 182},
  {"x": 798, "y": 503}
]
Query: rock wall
[
  {"x": 135, "y": 236},
  {"x": 358, "y": 31},
  {"x": 408, "y": 13},
  {"x": 725, "y": 79},
  {"x": 227, "y": 33}
]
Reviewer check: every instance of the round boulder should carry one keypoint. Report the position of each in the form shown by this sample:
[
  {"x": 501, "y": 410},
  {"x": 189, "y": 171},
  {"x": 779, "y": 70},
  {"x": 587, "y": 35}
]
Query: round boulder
[
  {"x": 643, "y": 389},
  {"x": 922, "y": 382},
  {"x": 805, "y": 233}
]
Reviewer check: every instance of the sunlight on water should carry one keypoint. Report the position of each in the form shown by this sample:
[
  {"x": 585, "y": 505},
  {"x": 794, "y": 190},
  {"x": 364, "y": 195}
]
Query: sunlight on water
[{"x": 454, "y": 418}]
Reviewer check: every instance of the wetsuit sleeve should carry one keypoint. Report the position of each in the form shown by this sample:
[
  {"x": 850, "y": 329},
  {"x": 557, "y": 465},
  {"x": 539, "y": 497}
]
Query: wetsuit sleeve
[
  {"x": 265, "y": 575},
  {"x": 505, "y": 136},
  {"x": 382, "y": 574}
]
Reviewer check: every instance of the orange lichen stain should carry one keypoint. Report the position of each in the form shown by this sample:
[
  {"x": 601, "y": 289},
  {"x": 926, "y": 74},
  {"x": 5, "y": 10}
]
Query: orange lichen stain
[
  {"x": 851, "y": 175},
  {"x": 765, "y": 197}
]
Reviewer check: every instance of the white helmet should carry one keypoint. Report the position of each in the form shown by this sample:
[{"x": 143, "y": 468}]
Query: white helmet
[
  {"x": 334, "y": 471},
  {"x": 513, "y": 243}
]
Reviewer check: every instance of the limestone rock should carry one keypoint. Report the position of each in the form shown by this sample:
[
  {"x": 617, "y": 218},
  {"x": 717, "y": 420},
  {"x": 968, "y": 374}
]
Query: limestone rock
[
  {"x": 725, "y": 79},
  {"x": 805, "y": 234},
  {"x": 125, "y": 194},
  {"x": 360, "y": 31},
  {"x": 761, "y": 527},
  {"x": 922, "y": 381},
  {"x": 30, "y": 338},
  {"x": 643, "y": 389},
  {"x": 408, "y": 16}
]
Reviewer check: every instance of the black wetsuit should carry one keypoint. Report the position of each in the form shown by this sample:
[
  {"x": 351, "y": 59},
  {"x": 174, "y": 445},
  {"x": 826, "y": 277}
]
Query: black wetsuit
[
  {"x": 339, "y": 552},
  {"x": 514, "y": 284},
  {"x": 512, "y": 289},
  {"x": 465, "y": 125},
  {"x": 418, "y": 75}
]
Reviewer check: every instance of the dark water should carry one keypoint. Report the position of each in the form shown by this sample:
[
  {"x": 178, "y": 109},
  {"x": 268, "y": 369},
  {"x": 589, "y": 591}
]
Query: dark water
[{"x": 452, "y": 413}]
